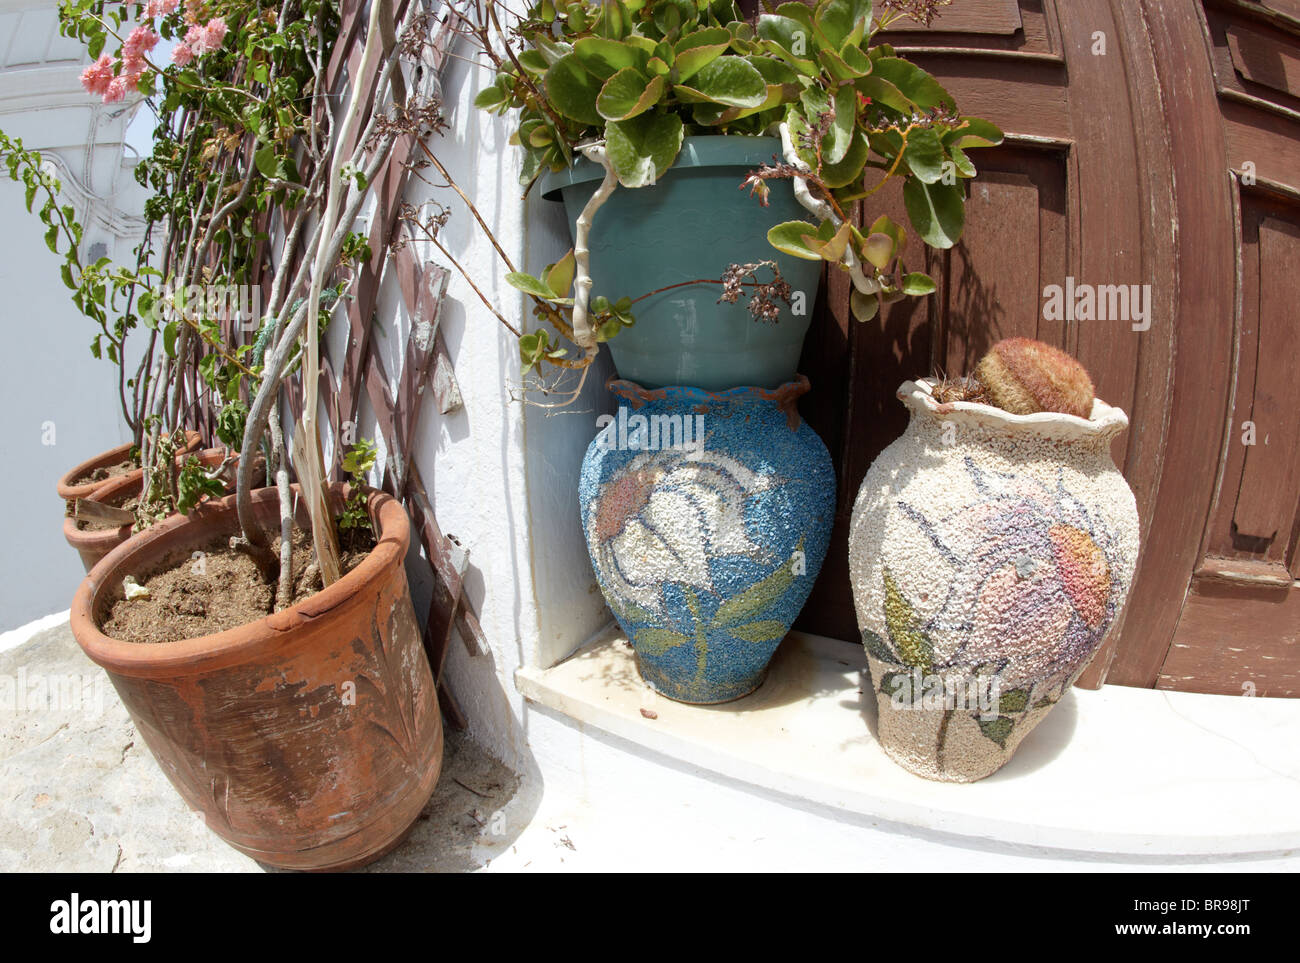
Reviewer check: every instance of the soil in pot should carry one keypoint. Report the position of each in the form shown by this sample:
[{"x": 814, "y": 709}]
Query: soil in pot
[
  {"x": 106, "y": 472},
  {"x": 187, "y": 600}
]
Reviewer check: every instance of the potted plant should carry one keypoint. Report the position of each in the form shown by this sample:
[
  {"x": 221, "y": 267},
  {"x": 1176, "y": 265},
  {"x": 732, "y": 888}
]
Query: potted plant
[
  {"x": 991, "y": 550},
  {"x": 680, "y": 103},
  {"x": 283, "y": 688},
  {"x": 114, "y": 298},
  {"x": 690, "y": 146}
]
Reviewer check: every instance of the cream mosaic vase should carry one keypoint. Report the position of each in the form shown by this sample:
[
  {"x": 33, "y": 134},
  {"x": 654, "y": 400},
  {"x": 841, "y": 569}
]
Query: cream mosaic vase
[{"x": 990, "y": 554}]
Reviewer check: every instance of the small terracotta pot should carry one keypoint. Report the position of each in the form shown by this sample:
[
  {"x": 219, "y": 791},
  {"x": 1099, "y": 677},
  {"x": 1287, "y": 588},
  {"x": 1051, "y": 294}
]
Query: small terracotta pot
[
  {"x": 310, "y": 739},
  {"x": 69, "y": 492},
  {"x": 94, "y": 544}
]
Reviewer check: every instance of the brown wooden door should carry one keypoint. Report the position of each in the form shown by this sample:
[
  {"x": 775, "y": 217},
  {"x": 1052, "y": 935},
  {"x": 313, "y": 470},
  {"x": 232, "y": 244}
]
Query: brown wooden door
[{"x": 1115, "y": 172}]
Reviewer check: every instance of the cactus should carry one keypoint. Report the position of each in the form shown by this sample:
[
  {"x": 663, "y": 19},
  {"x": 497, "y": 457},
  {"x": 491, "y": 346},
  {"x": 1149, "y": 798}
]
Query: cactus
[{"x": 1024, "y": 376}]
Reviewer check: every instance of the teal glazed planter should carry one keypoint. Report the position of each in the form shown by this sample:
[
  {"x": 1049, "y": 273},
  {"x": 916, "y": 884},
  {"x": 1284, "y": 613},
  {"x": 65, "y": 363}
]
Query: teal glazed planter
[
  {"x": 693, "y": 224},
  {"x": 707, "y": 517}
]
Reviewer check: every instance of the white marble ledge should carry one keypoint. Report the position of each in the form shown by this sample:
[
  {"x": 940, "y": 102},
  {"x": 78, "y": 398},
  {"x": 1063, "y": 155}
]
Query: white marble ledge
[{"x": 1120, "y": 770}]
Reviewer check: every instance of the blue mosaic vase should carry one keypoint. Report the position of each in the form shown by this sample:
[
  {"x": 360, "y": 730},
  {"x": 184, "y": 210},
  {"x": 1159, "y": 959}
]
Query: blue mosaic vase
[{"x": 707, "y": 516}]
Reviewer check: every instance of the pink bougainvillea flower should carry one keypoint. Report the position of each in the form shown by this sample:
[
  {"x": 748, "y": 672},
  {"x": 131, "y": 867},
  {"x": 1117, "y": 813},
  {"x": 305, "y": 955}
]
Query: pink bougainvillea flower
[
  {"x": 132, "y": 68},
  {"x": 116, "y": 90},
  {"x": 98, "y": 76},
  {"x": 160, "y": 8},
  {"x": 182, "y": 54},
  {"x": 215, "y": 33},
  {"x": 195, "y": 39},
  {"x": 141, "y": 40},
  {"x": 192, "y": 11}
]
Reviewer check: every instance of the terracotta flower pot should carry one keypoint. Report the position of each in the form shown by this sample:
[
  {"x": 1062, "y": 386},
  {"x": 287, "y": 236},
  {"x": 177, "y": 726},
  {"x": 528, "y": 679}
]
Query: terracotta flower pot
[
  {"x": 309, "y": 739},
  {"x": 990, "y": 554},
  {"x": 69, "y": 491},
  {"x": 707, "y": 516},
  {"x": 94, "y": 544}
]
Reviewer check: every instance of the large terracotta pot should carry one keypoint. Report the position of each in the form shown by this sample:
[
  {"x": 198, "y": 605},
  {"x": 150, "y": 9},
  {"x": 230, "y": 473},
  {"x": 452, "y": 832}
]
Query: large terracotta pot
[
  {"x": 69, "y": 491},
  {"x": 309, "y": 739},
  {"x": 707, "y": 517},
  {"x": 990, "y": 554},
  {"x": 94, "y": 544}
]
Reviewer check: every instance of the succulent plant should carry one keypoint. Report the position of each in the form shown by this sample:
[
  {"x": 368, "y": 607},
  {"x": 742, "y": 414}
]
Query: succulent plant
[{"x": 1025, "y": 376}]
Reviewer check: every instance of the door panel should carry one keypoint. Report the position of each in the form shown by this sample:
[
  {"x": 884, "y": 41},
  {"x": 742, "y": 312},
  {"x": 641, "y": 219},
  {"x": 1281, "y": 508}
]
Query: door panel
[{"x": 1121, "y": 166}]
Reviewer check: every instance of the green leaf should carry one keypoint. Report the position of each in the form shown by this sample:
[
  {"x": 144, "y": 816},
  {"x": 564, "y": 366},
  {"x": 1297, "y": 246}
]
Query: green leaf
[
  {"x": 643, "y": 148},
  {"x": 879, "y": 250},
  {"x": 756, "y": 598},
  {"x": 559, "y": 276},
  {"x": 937, "y": 211},
  {"x": 656, "y": 641},
  {"x": 913, "y": 644},
  {"x": 851, "y": 165},
  {"x": 697, "y": 50},
  {"x": 917, "y": 284},
  {"x": 864, "y": 306},
  {"x": 925, "y": 155},
  {"x": 727, "y": 80},
  {"x": 840, "y": 136},
  {"x": 52, "y": 238},
  {"x": 766, "y": 631},
  {"x": 531, "y": 285},
  {"x": 842, "y": 22},
  {"x": 913, "y": 82},
  {"x": 997, "y": 730},
  {"x": 789, "y": 38},
  {"x": 788, "y": 238},
  {"x": 573, "y": 91},
  {"x": 628, "y": 94},
  {"x": 490, "y": 97},
  {"x": 604, "y": 58},
  {"x": 267, "y": 162},
  {"x": 877, "y": 648},
  {"x": 974, "y": 132}
]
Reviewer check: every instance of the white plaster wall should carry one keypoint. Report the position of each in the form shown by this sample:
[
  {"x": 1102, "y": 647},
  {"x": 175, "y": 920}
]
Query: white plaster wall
[{"x": 47, "y": 375}]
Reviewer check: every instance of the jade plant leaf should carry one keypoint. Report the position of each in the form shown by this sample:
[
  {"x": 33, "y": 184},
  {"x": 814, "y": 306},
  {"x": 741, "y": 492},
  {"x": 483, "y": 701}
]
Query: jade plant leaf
[
  {"x": 913, "y": 644},
  {"x": 918, "y": 284},
  {"x": 559, "y": 276},
  {"x": 925, "y": 155},
  {"x": 628, "y": 94},
  {"x": 531, "y": 285},
  {"x": 864, "y": 306},
  {"x": 573, "y": 90},
  {"x": 643, "y": 148},
  {"x": 937, "y": 211},
  {"x": 699, "y": 49},
  {"x": 727, "y": 80},
  {"x": 788, "y": 238},
  {"x": 850, "y": 166},
  {"x": 603, "y": 58},
  {"x": 913, "y": 82},
  {"x": 841, "y": 22}
]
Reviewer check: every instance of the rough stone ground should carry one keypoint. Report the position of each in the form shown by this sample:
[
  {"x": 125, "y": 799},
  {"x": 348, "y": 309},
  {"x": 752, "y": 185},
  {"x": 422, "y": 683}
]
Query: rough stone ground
[{"x": 80, "y": 792}]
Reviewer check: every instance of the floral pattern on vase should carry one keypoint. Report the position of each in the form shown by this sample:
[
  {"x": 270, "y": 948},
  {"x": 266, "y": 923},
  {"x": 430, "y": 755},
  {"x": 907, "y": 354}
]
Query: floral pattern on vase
[
  {"x": 990, "y": 555},
  {"x": 707, "y": 548}
]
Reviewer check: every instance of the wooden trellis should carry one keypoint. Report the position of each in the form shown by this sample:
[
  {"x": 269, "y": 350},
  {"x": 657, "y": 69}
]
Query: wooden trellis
[{"x": 427, "y": 368}]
